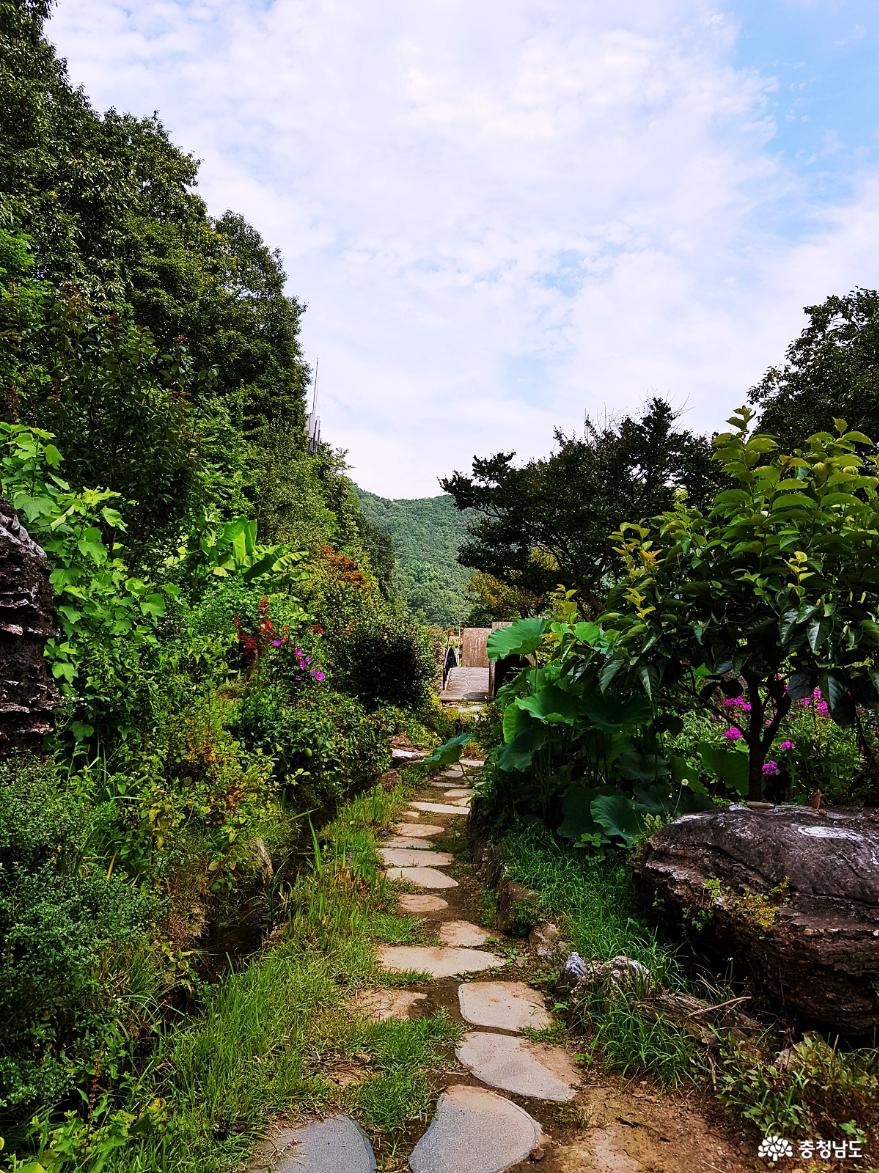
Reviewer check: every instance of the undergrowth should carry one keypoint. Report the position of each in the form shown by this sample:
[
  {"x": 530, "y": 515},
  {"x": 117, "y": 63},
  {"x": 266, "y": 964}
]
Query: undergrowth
[{"x": 268, "y": 1036}]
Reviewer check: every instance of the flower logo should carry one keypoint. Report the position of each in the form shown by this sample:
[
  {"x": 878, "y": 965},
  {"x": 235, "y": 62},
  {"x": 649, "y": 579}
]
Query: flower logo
[{"x": 773, "y": 1148}]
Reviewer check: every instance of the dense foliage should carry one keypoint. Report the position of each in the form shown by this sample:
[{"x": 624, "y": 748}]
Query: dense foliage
[
  {"x": 831, "y": 371},
  {"x": 548, "y": 521},
  {"x": 231, "y": 650},
  {"x": 427, "y": 534}
]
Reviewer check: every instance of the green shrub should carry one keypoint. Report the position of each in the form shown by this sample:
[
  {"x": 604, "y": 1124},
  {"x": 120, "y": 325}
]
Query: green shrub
[
  {"x": 324, "y": 743},
  {"x": 69, "y": 931},
  {"x": 383, "y": 657}
]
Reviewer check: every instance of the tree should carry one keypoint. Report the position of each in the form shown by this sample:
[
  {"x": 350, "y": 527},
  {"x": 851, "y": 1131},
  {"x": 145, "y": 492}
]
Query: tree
[
  {"x": 548, "y": 521},
  {"x": 831, "y": 371},
  {"x": 769, "y": 592}
]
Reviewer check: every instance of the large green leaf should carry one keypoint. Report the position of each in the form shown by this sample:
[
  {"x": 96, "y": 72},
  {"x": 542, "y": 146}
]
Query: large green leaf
[
  {"x": 617, "y": 816},
  {"x": 519, "y": 753},
  {"x": 641, "y": 767},
  {"x": 521, "y": 639},
  {"x": 611, "y": 713},
  {"x": 449, "y": 752},
  {"x": 553, "y": 704},
  {"x": 728, "y": 765}
]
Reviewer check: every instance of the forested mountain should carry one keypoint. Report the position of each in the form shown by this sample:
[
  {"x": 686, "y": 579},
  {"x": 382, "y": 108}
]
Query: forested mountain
[{"x": 427, "y": 533}]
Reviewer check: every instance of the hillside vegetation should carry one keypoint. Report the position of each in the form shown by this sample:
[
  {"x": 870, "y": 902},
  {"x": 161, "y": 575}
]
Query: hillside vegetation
[{"x": 427, "y": 533}]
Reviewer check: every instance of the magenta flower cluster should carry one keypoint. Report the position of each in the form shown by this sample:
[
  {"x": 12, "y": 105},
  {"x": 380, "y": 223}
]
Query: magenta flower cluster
[{"x": 821, "y": 706}]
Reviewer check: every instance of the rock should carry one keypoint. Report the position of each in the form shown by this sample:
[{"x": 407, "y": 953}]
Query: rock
[
  {"x": 423, "y": 877},
  {"x": 415, "y": 902},
  {"x": 438, "y": 808},
  {"x": 462, "y": 932},
  {"x": 511, "y": 1006},
  {"x": 699, "y": 1017},
  {"x": 621, "y": 975},
  {"x": 475, "y": 1131},
  {"x": 546, "y": 941},
  {"x": 28, "y": 695},
  {"x": 488, "y": 862},
  {"x": 407, "y": 857},
  {"x": 323, "y": 1146},
  {"x": 518, "y": 908},
  {"x": 382, "y": 1005},
  {"x": 793, "y": 893},
  {"x": 407, "y": 755},
  {"x": 438, "y": 961},
  {"x": 418, "y": 830},
  {"x": 263, "y": 859},
  {"x": 573, "y": 972},
  {"x": 517, "y": 1066},
  {"x": 458, "y": 792},
  {"x": 411, "y": 841}
]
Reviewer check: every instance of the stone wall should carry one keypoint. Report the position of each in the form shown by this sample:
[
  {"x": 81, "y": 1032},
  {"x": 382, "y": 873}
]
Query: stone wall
[{"x": 28, "y": 694}]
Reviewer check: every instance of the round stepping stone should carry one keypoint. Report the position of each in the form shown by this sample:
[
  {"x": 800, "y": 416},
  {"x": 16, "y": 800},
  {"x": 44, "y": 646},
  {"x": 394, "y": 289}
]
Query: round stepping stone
[
  {"x": 438, "y": 961},
  {"x": 404, "y": 841},
  {"x": 381, "y": 1005},
  {"x": 415, "y": 902},
  {"x": 458, "y": 792},
  {"x": 419, "y": 830},
  {"x": 406, "y": 857},
  {"x": 437, "y": 808},
  {"x": 475, "y": 1131},
  {"x": 503, "y": 1005},
  {"x": 462, "y": 932},
  {"x": 515, "y": 1065},
  {"x": 327, "y": 1146},
  {"x": 422, "y": 877}
]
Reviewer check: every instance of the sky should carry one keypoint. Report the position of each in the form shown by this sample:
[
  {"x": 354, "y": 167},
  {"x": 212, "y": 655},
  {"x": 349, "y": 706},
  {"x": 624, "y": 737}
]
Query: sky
[{"x": 504, "y": 215}]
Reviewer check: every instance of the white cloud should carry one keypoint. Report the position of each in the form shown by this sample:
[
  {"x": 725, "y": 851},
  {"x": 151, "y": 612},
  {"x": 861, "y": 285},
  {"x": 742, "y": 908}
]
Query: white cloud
[{"x": 500, "y": 215}]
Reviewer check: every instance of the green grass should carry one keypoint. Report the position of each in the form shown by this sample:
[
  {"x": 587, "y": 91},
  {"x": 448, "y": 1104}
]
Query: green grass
[{"x": 268, "y": 1036}]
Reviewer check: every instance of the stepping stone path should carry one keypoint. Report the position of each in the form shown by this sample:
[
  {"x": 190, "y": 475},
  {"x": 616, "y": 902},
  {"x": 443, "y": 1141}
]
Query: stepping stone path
[
  {"x": 526, "y": 1069},
  {"x": 462, "y": 932},
  {"x": 418, "y": 830},
  {"x": 423, "y": 877},
  {"x": 380, "y": 1005},
  {"x": 437, "y": 960},
  {"x": 437, "y": 808},
  {"x": 475, "y": 1130},
  {"x": 405, "y": 857},
  {"x": 503, "y": 1005},
  {"x": 334, "y": 1145},
  {"x": 414, "y": 902}
]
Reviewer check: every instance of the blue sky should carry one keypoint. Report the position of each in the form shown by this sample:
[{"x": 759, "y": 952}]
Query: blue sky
[{"x": 503, "y": 216}]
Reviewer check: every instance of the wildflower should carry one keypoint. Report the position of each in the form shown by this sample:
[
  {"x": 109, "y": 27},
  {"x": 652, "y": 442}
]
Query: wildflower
[
  {"x": 732, "y": 734},
  {"x": 319, "y": 676},
  {"x": 787, "y": 745},
  {"x": 823, "y": 709},
  {"x": 276, "y": 643},
  {"x": 770, "y": 768}
]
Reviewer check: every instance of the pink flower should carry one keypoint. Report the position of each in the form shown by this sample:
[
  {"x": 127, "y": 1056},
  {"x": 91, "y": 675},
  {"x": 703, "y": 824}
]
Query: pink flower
[
  {"x": 319, "y": 676},
  {"x": 787, "y": 745},
  {"x": 276, "y": 643},
  {"x": 732, "y": 734},
  {"x": 823, "y": 709},
  {"x": 770, "y": 768}
]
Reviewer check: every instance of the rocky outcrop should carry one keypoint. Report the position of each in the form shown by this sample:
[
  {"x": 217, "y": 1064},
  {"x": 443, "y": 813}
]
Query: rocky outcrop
[
  {"x": 790, "y": 892},
  {"x": 27, "y": 692}
]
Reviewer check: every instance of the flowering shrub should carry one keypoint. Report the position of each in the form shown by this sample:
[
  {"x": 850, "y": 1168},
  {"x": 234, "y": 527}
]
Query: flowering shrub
[{"x": 277, "y": 651}]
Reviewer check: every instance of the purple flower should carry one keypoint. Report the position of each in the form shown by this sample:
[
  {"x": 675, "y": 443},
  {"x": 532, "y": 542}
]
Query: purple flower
[
  {"x": 823, "y": 708},
  {"x": 732, "y": 734},
  {"x": 770, "y": 768},
  {"x": 276, "y": 643},
  {"x": 319, "y": 676},
  {"x": 787, "y": 745}
]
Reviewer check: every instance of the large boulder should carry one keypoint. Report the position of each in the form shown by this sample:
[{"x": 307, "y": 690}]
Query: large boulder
[
  {"x": 791, "y": 893},
  {"x": 28, "y": 694}
]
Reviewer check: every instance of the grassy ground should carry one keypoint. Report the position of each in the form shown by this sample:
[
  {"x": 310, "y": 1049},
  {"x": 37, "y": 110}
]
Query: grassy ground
[
  {"x": 277, "y": 1038},
  {"x": 823, "y": 1090}
]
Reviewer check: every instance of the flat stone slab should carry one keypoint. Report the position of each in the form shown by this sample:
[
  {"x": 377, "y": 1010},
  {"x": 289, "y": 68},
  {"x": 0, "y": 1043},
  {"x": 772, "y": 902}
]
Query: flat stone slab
[
  {"x": 502, "y": 1005},
  {"x": 407, "y": 857},
  {"x": 405, "y": 841},
  {"x": 462, "y": 932},
  {"x": 438, "y": 961},
  {"x": 471, "y": 763},
  {"x": 445, "y": 783},
  {"x": 437, "y": 808},
  {"x": 465, "y": 802},
  {"x": 419, "y": 830},
  {"x": 381, "y": 1005},
  {"x": 326, "y": 1146},
  {"x": 407, "y": 755},
  {"x": 515, "y": 1065},
  {"x": 423, "y": 877},
  {"x": 415, "y": 902},
  {"x": 475, "y": 1131},
  {"x": 458, "y": 792}
]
